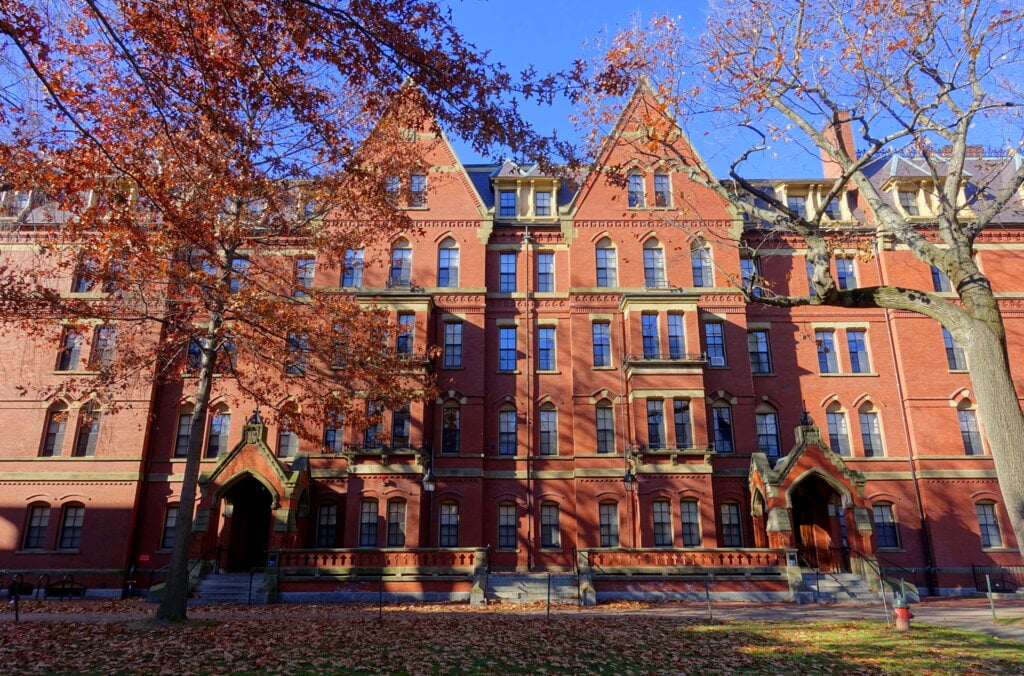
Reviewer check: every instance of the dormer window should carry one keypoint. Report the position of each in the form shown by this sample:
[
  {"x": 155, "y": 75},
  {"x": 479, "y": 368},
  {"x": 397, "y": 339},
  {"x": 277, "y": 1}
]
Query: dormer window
[
  {"x": 908, "y": 202},
  {"x": 542, "y": 203},
  {"x": 832, "y": 210},
  {"x": 507, "y": 204},
  {"x": 797, "y": 204}
]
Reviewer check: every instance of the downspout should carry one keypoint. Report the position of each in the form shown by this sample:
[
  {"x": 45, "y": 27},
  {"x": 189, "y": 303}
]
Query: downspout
[
  {"x": 926, "y": 539},
  {"x": 529, "y": 400}
]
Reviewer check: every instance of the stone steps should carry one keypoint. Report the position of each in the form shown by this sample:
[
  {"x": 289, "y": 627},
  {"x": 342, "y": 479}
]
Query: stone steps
[
  {"x": 839, "y": 588},
  {"x": 532, "y": 587},
  {"x": 231, "y": 588}
]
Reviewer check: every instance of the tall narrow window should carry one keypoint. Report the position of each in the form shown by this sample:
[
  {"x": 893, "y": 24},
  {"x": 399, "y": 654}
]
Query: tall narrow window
[
  {"x": 352, "y": 273},
  {"x": 649, "y": 332},
  {"x": 507, "y": 350},
  {"x": 400, "y": 273},
  {"x": 70, "y": 350},
  {"x": 400, "y": 424},
  {"x": 507, "y": 525},
  {"x": 635, "y": 190},
  {"x": 691, "y": 523},
  {"x": 102, "y": 355},
  {"x": 545, "y": 272},
  {"x": 605, "y": 428},
  {"x": 654, "y": 265},
  {"x": 846, "y": 277},
  {"x": 546, "y": 348},
  {"x": 217, "y": 437},
  {"x": 760, "y": 351},
  {"x": 448, "y": 533},
  {"x": 506, "y": 272},
  {"x": 327, "y": 524},
  {"x": 36, "y": 526},
  {"x": 681, "y": 423},
  {"x": 405, "y": 341},
  {"x": 193, "y": 355},
  {"x": 418, "y": 190},
  {"x": 507, "y": 431},
  {"x": 751, "y": 277},
  {"x": 676, "y": 339},
  {"x": 870, "y": 432},
  {"x": 84, "y": 277},
  {"x": 714, "y": 343},
  {"x": 956, "y": 359},
  {"x": 297, "y": 348},
  {"x": 661, "y": 513},
  {"x": 448, "y": 264},
  {"x": 334, "y": 433},
  {"x": 662, "y": 190},
  {"x": 88, "y": 431},
  {"x": 453, "y": 345},
  {"x": 969, "y": 432},
  {"x": 53, "y": 434},
  {"x": 71, "y": 527},
  {"x": 542, "y": 203},
  {"x": 838, "y": 433},
  {"x": 549, "y": 526},
  {"x": 732, "y": 531},
  {"x": 507, "y": 204},
  {"x": 368, "y": 523},
  {"x": 184, "y": 433},
  {"x": 396, "y": 523},
  {"x": 721, "y": 418},
  {"x": 908, "y": 201},
  {"x": 827, "y": 361},
  {"x": 767, "y": 424},
  {"x": 375, "y": 425},
  {"x": 988, "y": 525},
  {"x": 451, "y": 428},
  {"x": 602, "y": 344},
  {"x": 607, "y": 263},
  {"x": 885, "y": 525},
  {"x": 170, "y": 525},
  {"x": 655, "y": 423},
  {"x": 940, "y": 282},
  {"x": 548, "y": 430},
  {"x": 239, "y": 272},
  {"x": 832, "y": 210},
  {"x": 305, "y": 272},
  {"x": 809, "y": 267},
  {"x": 700, "y": 263},
  {"x": 287, "y": 440},
  {"x": 608, "y": 516},
  {"x": 797, "y": 204},
  {"x": 857, "y": 344}
]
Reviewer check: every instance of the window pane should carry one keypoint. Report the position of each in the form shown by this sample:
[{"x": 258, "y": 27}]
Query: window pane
[
  {"x": 35, "y": 530},
  {"x": 451, "y": 429},
  {"x": 607, "y": 274},
  {"x": 676, "y": 340},
  {"x": 654, "y": 268},
  {"x": 506, "y": 272},
  {"x": 955, "y": 357},
  {"x": 856, "y": 342},
  {"x": 396, "y": 523},
  {"x": 732, "y": 534},
  {"x": 838, "y": 434},
  {"x": 722, "y": 420},
  {"x": 602, "y": 344},
  {"x": 885, "y": 525},
  {"x": 768, "y": 434},
  {"x": 662, "y": 515},
  {"x": 609, "y": 520},
  {"x": 506, "y": 525},
  {"x": 368, "y": 523},
  {"x": 871, "y": 434},
  {"x": 507, "y": 348},
  {"x": 827, "y": 362},
  {"x": 170, "y": 522},
  {"x": 507, "y": 433},
  {"x": 681, "y": 422},
  {"x": 549, "y": 528},
  {"x": 448, "y": 534},
  {"x": 545, "y": 272},
  {"x": 760, "y": 353},
  {"x": 546, "y": 348},
  {"x": 655, "y": 423},
  {"x": 448, "y": 266},
  {"x": 969, "y": 432},
  {"x": 988, "y": 525},
  {"x": 548, "y": 432},
  {"x": 327, "y": 525},
  {"x": 71, "y": 527},
  {"x": 714, "y": 343},
  {"x": 453, "y": 345},
  {"x": 691, "y": 523},
  {"x": 605, "y": 429},
  {"x": 649, "y": 331}
]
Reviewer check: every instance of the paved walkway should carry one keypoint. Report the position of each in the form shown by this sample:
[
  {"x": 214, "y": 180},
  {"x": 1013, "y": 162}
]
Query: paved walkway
[{"x": 970, "y": 614}]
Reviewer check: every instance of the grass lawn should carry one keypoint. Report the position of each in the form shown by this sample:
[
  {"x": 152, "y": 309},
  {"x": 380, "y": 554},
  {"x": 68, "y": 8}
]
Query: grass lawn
[{"x": 453, "y": 640}]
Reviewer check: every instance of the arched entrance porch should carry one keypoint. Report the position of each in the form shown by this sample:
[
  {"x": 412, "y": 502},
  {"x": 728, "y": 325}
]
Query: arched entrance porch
[
  {"x": 243, "y": 536},
  {"x": 819, "y": 524}
]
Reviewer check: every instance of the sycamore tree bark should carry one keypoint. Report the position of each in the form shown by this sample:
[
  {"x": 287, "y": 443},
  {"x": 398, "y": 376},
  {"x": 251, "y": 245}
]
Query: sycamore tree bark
[{"x": 861, "y": 84}]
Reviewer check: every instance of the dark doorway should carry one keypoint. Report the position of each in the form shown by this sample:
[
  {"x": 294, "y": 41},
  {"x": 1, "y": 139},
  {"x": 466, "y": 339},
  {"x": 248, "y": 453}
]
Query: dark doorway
[
  {"x": 818, "y": 525},
  {"x": 246, "y": 508}
]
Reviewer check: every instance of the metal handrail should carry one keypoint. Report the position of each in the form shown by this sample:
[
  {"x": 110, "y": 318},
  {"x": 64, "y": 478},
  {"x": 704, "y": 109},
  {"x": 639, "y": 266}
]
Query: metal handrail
[
  {"x": 666, "y": 356},
  {"x": 40, "y": 585}
]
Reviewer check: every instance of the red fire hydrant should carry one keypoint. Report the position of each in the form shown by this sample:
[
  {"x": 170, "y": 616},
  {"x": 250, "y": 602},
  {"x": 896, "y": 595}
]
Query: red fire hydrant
[{"x": 901, "y": 612}]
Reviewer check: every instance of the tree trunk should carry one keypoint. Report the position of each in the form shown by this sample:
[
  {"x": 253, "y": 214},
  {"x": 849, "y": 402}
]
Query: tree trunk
[
  {"x": 1000, "y": 412},
  {"x": 173, "y": 606}
]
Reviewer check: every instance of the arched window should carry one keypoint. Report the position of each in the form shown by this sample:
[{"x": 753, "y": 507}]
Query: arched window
[
  {"x": 838, "y": 432},
  {"x": 37, "y": 522},
  {"x": 608, "y": 518},
  {"x": 662, "y": 190},
  {"x": 287, "y": 439},
  {"x": 400, "y": 274},
  {"x": 448, "y": 530},
  {"x": 870, "y": 430},
  {"x": 607, "y": 263},
  {"x": 368, "y": 523},
  {"x": 548, "y": 430},
  {"x": 396, "y": 523},
  {"x": 767, "y": 422},
  {"x": 721, "y": 421},
  {"x": 451, "y": 427},
  {"x": 886, "y": 531},
  {"x": 88, "y": 430},
  {"x": 654, "y": 264},
  {"x": 508, "y": 430},
  {"x": 988, "y": 524},
  {"x": 448, "y": 263},
  {"x": 635, "y": 191},
  {"x": 969, "y": 432},
  {"x": 605, "y": 427},
  {"x": 53, "y": 432},
  {"x": 661, "y": 514},
  {"x": 184, "y": 432},
  {"x": 549, "y": 526},
  {"x": 72, "y": 520},
  {"x": 700, "y": 263},
  {"x": 217, "y": 433}
]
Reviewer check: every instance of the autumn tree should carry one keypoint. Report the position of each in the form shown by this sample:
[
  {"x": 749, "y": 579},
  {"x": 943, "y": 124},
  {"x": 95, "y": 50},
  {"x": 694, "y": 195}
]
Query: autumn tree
[
  {"x": 191, "y": 164},
  {"x": 924, "y": 79}
]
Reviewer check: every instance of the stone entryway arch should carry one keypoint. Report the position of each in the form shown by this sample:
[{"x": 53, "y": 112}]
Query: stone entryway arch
[
  {"x": 246, "y": 507},
  {"x": 818, "y": 511}
]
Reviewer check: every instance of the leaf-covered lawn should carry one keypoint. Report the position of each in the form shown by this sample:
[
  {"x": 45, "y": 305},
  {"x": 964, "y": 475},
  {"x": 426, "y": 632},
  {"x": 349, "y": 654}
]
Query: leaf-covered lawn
[{"x": 460, "y": 640}]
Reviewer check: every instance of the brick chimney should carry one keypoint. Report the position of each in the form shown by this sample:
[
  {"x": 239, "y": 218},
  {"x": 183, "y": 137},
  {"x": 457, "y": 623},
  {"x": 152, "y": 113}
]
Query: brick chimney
[{"x": 839, "y": 131}]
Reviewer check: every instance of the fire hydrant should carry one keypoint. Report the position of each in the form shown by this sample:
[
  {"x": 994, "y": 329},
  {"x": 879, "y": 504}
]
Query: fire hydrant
[{"x": 901, "y": 612}]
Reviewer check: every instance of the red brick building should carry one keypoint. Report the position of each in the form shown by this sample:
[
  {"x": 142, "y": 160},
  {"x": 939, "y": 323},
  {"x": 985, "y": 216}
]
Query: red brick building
[{"x": 610, "y": 407}]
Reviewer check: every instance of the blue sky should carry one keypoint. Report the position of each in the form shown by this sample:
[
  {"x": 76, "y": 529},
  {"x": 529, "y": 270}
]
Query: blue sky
[{"x": 550, "y": 34}]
